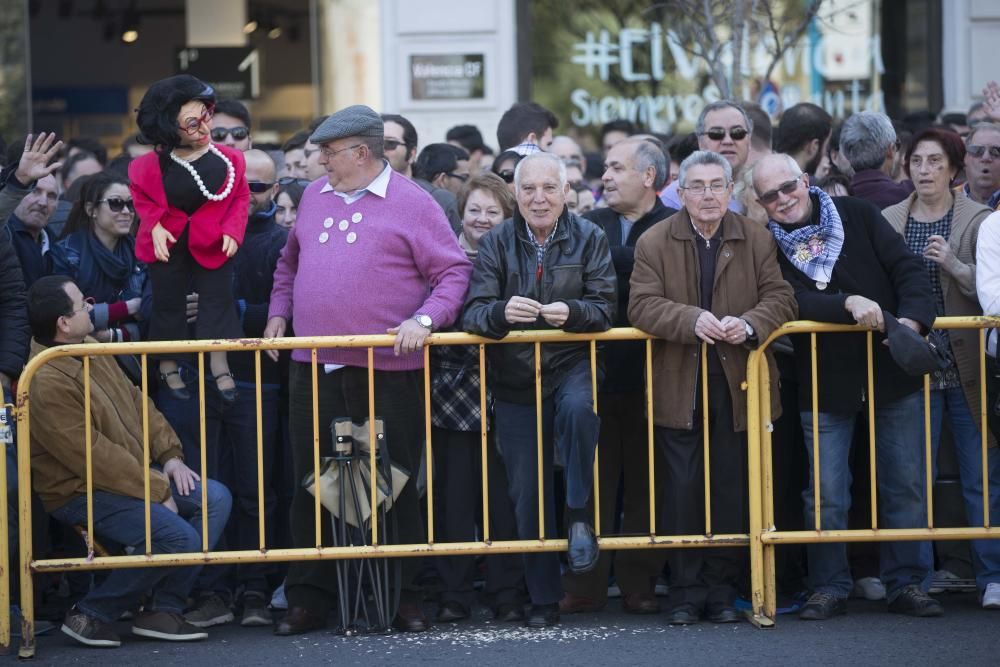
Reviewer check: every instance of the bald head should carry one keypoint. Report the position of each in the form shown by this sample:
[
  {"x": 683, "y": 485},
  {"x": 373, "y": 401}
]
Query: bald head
[
  {"x": 776, "y": 166},
  {"x": 260, "y": 170}
]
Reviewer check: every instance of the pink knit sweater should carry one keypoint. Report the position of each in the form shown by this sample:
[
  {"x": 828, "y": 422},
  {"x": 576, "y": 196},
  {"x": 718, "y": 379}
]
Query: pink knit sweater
[{"x": 363, "y": 268}]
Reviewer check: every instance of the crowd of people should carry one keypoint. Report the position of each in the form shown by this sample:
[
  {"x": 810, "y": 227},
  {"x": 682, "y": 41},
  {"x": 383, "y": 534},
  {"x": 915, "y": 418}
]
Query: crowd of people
[{"x": 709, "y": 240}]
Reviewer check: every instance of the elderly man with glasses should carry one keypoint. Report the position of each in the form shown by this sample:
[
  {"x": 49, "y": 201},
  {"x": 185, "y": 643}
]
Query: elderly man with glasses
[
  {"x": 705, "y": 275},
  {"x": 982, "y": 164},
  {"x": 849, "y": 266}
]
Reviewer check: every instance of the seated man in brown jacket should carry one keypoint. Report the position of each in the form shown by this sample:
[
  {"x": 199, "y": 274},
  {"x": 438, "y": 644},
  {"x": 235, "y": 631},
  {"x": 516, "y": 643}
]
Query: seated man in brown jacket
[
  {"x": 705, "y": 274},
  {"x": 60, "y": 315}
]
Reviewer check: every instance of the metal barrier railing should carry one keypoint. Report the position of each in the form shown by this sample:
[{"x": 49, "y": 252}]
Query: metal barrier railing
[
  {"x": 29, "y": 565},
  {"x": 766, "y": 536}
]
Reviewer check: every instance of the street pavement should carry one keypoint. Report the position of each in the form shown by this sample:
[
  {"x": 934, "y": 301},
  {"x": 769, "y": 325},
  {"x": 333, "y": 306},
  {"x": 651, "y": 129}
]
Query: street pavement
[{"x": 967, "y": 635}]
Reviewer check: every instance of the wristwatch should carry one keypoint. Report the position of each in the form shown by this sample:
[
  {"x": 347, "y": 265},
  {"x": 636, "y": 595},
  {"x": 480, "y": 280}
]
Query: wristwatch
[
  {"x": 751, "y": 334},
  {"x": 425, "y": 321}
]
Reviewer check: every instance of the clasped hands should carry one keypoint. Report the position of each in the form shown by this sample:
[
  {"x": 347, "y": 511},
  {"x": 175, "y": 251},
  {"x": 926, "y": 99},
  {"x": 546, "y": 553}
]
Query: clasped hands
[
  {"x": 729, "y": 329},
  {"x": 522, "y": 310}
]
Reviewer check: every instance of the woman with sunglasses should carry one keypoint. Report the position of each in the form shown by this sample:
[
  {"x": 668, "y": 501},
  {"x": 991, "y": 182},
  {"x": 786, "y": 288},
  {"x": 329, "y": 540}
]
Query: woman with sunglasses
[
  {"x": 504, "y": 167},
  {"x": 98, "y": 252},
  {"x": 192, "y": 200},
  {"x": 287, "y": 200},
  {"x": 941, "y": 226}
]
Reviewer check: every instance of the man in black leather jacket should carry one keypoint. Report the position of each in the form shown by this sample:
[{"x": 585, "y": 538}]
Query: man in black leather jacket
[{"x": 544, "y": 268}]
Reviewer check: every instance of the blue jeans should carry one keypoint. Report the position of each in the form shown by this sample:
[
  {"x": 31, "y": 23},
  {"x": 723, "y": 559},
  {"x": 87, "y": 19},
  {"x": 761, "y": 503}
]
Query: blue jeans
[
  {"x": 122, "y": 520},
  {"x": 231, "y": 458},
  {"x": 569, "y": 432},
  {"x": 899, "y": 452},
  {"x": 968, "y": 452}
]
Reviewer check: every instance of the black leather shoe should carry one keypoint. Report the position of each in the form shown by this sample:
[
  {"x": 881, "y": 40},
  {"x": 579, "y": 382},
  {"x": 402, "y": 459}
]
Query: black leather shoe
[
  {"x": 583, "y": 551},
  {"x": 683, "y": 615},
  {"x": 542, "y": 616},
  {"x": 411, "y": 618},
  {"x": 823, "y": 606},
  {"x": 227, "y": 395},
  {"x": 914, "y": 602},
  {"x": 299, "y": 620},
  {"x": 640, "y": 603},
  {"x": 723, "y": 614},
  {"x": 450, "y": 612},
  {"x": 508, "y": 612},
  {"x": 181, "y": 394}
]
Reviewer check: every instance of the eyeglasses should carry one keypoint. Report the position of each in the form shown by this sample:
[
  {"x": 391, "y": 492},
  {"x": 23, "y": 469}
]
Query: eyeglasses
[
  {"x": 239, "y": 133},
  {"x": 327, "y": 153},
  {"x": 975, "y": 150},
  {"x": 392, "y": 144},
  {"x": 461, "y": 177},
  {"x": 719, "y": 133},
  {"x": 191, "y": 126},
  {"x": 786, "y": 188},
  {"x": 699, "y": 190},
  {"x": 507, "y": 175},
  {"x": 88, "y": 302},
  {"x": 117, "y": 204},
  {"x": 259, "y": 187}
]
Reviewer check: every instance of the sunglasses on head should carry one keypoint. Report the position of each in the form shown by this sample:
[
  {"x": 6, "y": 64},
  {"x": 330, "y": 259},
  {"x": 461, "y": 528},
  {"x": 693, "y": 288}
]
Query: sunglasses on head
[
  {"x": 507, "y": 175},
  {"x": 259, "y": 187},
  {"x": 239, "y": 133},
  {"x": 786, "y": 188},
  {"x": 719, "y": 133},
  {"x": 117, "y": 204}
]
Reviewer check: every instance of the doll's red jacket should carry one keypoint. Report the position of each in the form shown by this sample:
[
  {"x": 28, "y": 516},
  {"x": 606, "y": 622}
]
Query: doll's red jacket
[{"x": 207, "y": 225}]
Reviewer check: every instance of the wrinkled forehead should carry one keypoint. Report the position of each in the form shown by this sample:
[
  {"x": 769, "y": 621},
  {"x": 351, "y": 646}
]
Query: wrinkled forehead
[
  {"x": 985, "y": 137},
  {"x": 539, "y": 172},
  {"x": 46, "y": 185},
  {"x": 705, "y": 174},
  {"x": 768, "y": 176}
]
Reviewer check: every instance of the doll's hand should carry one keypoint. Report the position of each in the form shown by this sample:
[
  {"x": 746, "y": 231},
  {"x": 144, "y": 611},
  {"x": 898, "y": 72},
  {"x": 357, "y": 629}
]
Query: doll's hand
[
  {"x": 229, "y": 245},
  {"x": 160, "y": 238}
]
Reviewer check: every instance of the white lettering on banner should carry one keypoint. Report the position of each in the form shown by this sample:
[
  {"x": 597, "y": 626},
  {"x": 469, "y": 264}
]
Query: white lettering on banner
[{"x": 600, "y": 53}]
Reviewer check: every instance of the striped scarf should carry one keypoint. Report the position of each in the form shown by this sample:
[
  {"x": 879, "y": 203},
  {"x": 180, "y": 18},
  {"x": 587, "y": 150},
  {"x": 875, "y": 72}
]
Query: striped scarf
[{"x": 813, "y": 249}]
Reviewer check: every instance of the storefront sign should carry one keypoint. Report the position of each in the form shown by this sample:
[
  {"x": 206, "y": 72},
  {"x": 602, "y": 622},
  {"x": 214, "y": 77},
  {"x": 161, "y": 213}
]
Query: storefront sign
[{"x": 453, "y": 76}]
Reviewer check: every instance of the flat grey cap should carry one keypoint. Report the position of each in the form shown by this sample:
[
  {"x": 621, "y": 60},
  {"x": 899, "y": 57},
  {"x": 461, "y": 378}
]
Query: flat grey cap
[{"x": 353, "y": 121}]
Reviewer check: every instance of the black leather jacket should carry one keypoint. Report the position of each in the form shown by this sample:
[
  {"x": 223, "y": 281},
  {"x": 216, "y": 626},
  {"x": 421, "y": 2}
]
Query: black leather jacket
[{"x": 577, "y": 270}]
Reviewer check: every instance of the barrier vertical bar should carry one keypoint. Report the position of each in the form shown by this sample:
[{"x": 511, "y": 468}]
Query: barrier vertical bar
[
  {"x": 260, "y": 452},
  {"x": 754, "y": 430},
  {"x": 649, "y": 436},
  {"x": 204, "y": 453},
  {"x": 315, "y": 424},
  {"x": 428, "y": 448},
  {"x": 767, "y": 487},
  {"x": 596, "y": 494},
  {"x": 88, "y": 439},
  {"x": 815, "y": 429},
  {"x": 484, "y": 442},
  {"x": 929, "y": 467},
  {"x": 706, "y": 453},
  {"x": 538, "y": 436},
  {"x": 4, "y": 551},
  {"x": 984, "y": 428},
  {"x": 145, "y": 455},
  {"x": 373, "y": 444},
  {"x": 873, "y": 491},
  {"x": 27, "y": 648}
]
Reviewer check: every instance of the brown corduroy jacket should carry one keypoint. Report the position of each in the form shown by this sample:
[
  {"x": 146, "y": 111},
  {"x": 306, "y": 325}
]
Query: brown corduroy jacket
[
  {"x": 665, "y": 300},
  {"x": 58, "y": 436}
]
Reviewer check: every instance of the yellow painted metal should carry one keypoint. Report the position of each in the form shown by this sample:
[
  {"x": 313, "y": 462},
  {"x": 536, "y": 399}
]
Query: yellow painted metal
[
  {"x": 873, "y": 486},
  {"x": 706, "y": 461},
  {"x": 651, "y": 453},
  {"x": 984, "y": 427},
  {"x": 596, "y": 493},
  {"x": 484, "y": 442},
  {"x": 766, "y": 508},
  {"x": 928, "y": 465},
  {"x": 317, "y": 507},
  {"x": 260, "y": 451},
  {"x": 145, "y": 454},
  {"x": 538, "y": 440},
  {"x": 374, "y": 446},
  {"x": 815, "y": 430},
  {"x": 4, "y": 551},
  {"x": 204, "y": 451},
  {"x": 880, "y": 535},
  {"x": 88, "y": 443},
  {"x": 428, "y": 451},
  {"x": 754, "y": 458}
]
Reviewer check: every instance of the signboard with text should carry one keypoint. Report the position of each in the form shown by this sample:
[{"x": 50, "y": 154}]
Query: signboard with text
[
  {"x": 451, "y": 76},
  {"x": 233, "y": 71}
]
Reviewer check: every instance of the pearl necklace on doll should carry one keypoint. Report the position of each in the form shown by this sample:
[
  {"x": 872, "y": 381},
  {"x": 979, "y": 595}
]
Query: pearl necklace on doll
[{"x": 230, "y": 171}]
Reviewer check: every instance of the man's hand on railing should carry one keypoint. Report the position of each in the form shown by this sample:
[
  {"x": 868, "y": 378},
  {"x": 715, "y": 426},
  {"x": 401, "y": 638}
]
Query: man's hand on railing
[
  {"x": 865, "y": 312},
  {"x": 275, "y": 329},
  {"x": 556, "y": 313},
  {"x": 736, "y": 330},
  {"x": 191, "y": 310},
  {"x": 410, "y": 336},
  {"x": 522, "y": 310},
  {"x": 183, "y": 477}
]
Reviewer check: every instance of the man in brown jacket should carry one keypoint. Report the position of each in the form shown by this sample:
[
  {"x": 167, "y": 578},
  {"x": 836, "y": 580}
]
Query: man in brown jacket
[
  {"x": 705, "y": 275},
  {"x": 59, "y": 314}
]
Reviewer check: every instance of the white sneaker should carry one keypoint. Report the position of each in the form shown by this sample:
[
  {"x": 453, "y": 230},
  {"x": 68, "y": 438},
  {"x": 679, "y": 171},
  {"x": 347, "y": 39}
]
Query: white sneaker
[
  {"x": 943, "y": 580},
  {"x": 869, "y": 588},
  {"x": 991, "y": 596}
]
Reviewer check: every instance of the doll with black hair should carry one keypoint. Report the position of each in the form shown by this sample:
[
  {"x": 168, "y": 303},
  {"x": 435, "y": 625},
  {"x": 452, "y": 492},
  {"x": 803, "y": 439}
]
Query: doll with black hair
[{"x": 192, "y": 199}]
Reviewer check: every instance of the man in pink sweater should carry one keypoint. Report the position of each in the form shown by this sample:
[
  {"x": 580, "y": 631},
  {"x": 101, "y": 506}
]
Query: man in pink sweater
[{"x": 371, "y": 252}]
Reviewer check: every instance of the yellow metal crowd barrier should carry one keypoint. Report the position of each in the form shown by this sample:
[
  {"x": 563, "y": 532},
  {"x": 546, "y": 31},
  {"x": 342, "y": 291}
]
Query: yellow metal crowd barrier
[
  {"x": 763, "y": 542},
  {"x": 29, "y": 565}
]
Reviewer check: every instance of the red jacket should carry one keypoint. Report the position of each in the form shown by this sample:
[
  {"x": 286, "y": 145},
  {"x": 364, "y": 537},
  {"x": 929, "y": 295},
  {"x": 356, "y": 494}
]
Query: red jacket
[{"x": 209, "y": 222}]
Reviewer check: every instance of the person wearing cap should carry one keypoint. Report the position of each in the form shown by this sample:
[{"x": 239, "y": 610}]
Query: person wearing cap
[
  {"x": 371, "y": 253},
  {"x": 469, "y": 138},
  {"x": 848, "y": 266}
]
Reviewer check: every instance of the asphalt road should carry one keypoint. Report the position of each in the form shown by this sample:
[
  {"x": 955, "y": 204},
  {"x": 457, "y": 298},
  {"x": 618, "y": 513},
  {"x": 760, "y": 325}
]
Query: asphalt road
[{"x": 967, "y": 635}]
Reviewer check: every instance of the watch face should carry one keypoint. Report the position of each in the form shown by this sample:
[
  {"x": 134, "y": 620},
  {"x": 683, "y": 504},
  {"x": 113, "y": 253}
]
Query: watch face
[{"x": 424, "y": 320}]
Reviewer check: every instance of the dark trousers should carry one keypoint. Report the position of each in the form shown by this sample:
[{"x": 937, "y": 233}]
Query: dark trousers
[
  {"x": 231, "y": 458},
  {"x": 623, "y": 464},
  {"x": 399, "y": 401},
  {"x": 457, "y": 502},
  {"x": 569, "y": 434},
  {"x": 171, "y": 282},
  {"x": 705, "y": 577}
]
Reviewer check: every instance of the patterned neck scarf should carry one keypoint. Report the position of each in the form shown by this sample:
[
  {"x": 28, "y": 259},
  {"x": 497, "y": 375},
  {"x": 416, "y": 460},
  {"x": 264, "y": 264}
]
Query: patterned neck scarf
[{"x": 813, "y": 249}]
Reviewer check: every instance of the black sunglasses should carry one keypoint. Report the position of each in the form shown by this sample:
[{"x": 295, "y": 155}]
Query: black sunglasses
[
  {"x": 507, "y": 175},
  {"x": 258, "y": 187},
  {"x": 288, "y": 180},
  {"x": 239, "y": 133},
  {"x": 719, "y": 133},
  {"x": 392, "y": 144},
  {"x": 117, "y": 204},
  {"x": 786, "y": 188},
  {"x": 461, "y": 177}
]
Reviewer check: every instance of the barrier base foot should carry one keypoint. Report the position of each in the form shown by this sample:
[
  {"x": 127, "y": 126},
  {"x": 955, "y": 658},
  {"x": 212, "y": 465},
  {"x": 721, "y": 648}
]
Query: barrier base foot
[{"x": 760, "y": 621}]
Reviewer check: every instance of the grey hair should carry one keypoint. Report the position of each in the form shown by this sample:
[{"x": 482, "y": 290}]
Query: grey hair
[
  {"x": 793, "y": 167},
  {"x": 649, "y": 153},
  {"x": 865, "y": 138},
  {"x": 978, "y": 127},
  {"x": 706, "y": 158},
  {"x": 548, "y": 157},
  {"x": 699, "y": 129}
]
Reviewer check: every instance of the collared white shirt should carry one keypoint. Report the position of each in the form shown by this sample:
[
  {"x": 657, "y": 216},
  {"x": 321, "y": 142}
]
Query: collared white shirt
[
  {"x": 377, "y": 187},
  {"x": 988, "y": 273}
]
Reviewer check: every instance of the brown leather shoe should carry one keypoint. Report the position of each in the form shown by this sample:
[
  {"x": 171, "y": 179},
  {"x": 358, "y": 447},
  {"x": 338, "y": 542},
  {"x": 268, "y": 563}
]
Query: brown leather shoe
[
  {"x": 411, "y": 618},
  {"x": 640, "y": 603},
  {"x": 572, "y": 603},
  {"x": 299, "y": 620}
]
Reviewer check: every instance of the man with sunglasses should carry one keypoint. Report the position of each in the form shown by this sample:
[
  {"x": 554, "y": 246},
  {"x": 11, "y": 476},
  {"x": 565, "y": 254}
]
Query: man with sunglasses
[
  {"x": 400, "y": 143},
  {"x": 982, "y": 164},
  {"x": 442, "y": 170},
  {"x": 848, "y": 266},
  {"x": 868, "y": 141},
  {"x": 724, "y": 128},
  {"x": 231, "y": 125}
]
